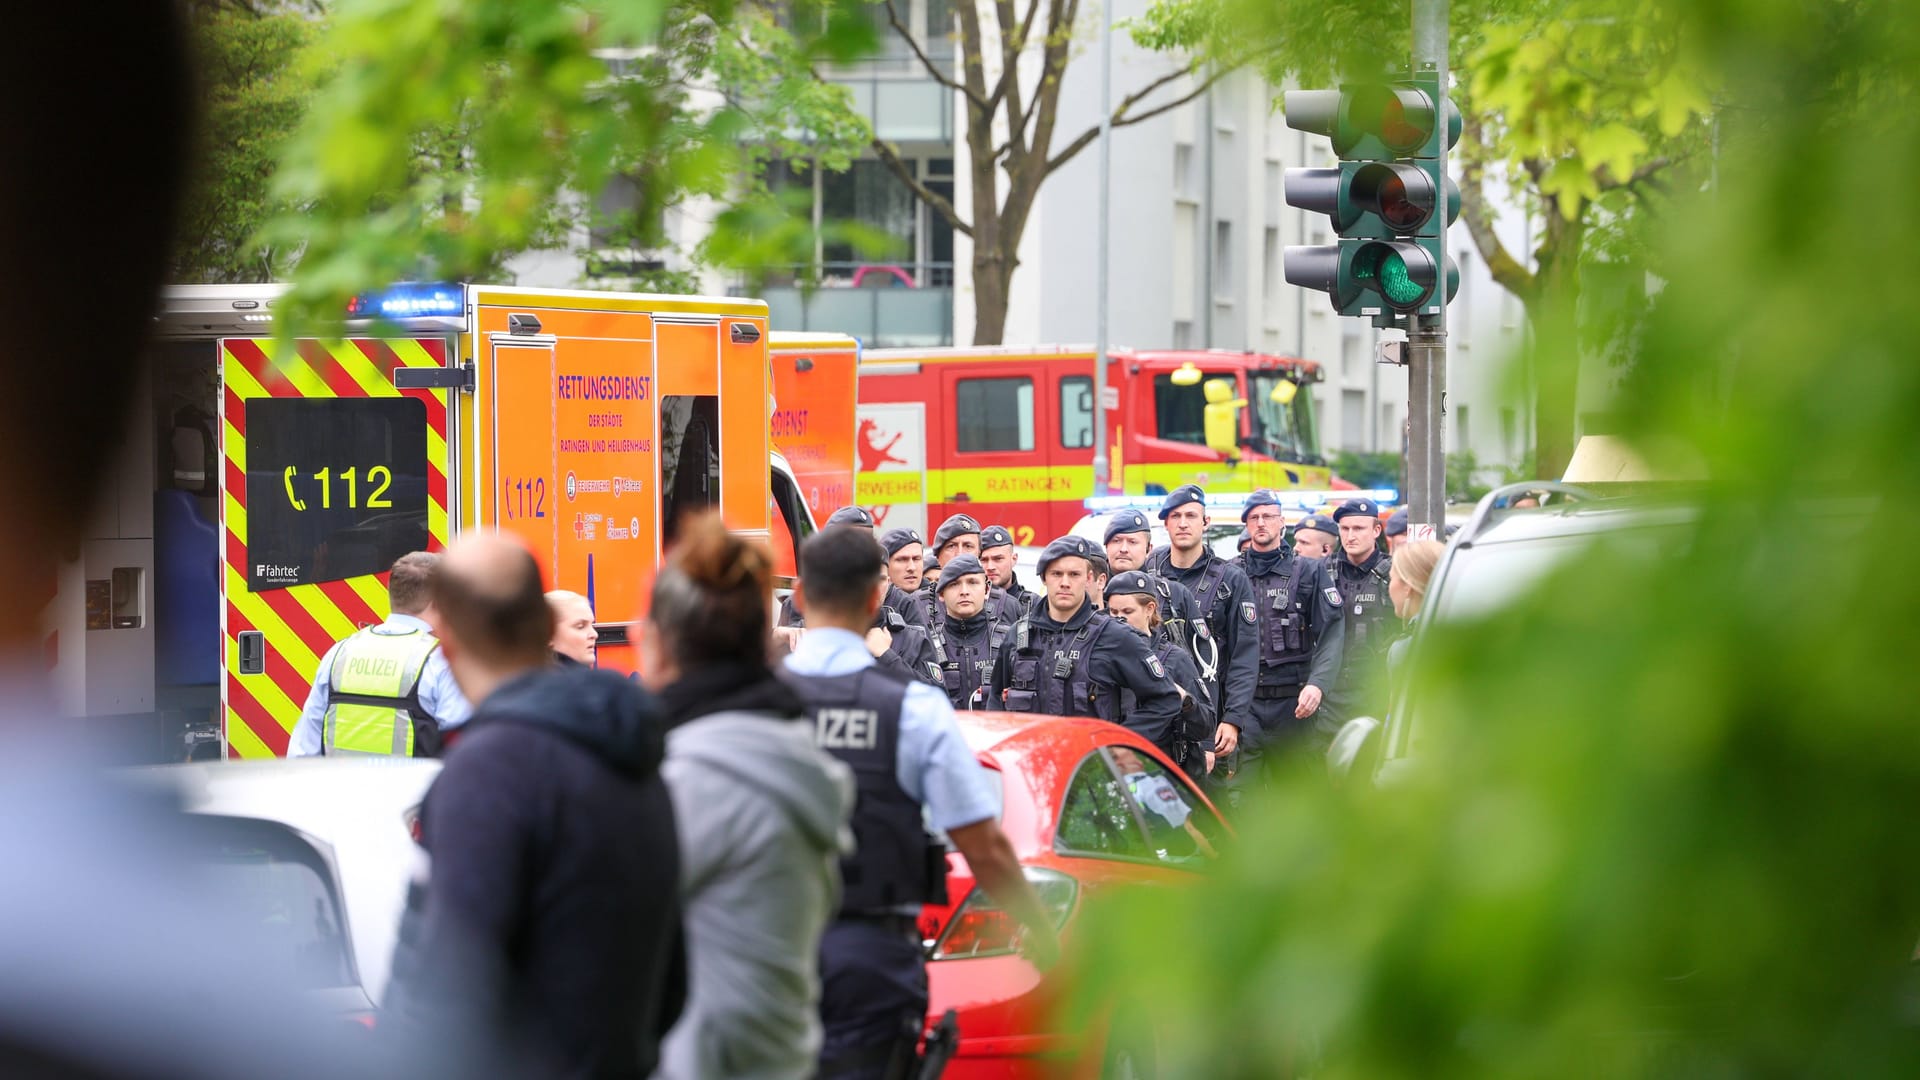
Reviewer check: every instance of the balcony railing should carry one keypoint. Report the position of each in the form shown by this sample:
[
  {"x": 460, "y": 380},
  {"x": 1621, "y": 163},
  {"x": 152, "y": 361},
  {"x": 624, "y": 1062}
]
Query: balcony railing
[{"x": 882, "y": 304}]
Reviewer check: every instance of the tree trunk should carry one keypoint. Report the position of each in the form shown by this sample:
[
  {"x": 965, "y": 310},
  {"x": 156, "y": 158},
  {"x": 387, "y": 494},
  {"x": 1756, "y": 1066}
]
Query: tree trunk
[
  {"x": 1553, "y": 312},
  {"x": 990, "y": 281}
]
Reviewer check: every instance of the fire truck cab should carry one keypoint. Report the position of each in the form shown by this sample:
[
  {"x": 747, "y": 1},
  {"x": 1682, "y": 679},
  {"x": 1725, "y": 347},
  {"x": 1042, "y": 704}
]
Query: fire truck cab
[
  {"x": 268, "y": 484},
  {"x": 1006, "y": 433}
]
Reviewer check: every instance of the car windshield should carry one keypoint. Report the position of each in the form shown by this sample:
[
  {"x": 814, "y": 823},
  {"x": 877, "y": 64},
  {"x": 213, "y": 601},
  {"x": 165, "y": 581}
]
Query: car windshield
[
  {"x": 277, "y": 895},
  {"x": 1287, "y": 430}
]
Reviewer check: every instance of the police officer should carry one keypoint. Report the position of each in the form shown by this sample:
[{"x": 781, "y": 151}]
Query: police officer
[
  {"x": 1066, "y": 659},
  {"x": 1129, "y": 541},
  {"x": 898, "y": 601},
  {"x": 904, "y": 550},
  {"x": 386, "y": 689},
  {"x": 1396, "y": 530},
  {"x": 1361, "y": 572},
  {"x": 996, "y": 554},
  {"x": 968, "y": 635},
  {"x": 1315, "y": 537},
  {"x": 1299, "y": 640},
  {"x": 961, "y": 535},
  {"x": 1222, "y": 599},
  {"x": 1133, "y": 597},
  {"x": 908, "y": 758}
]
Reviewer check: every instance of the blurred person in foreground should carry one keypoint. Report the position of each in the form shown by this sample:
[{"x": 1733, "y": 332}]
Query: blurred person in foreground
[
  {"x": 549, "y": 834},
  {"x": 761, "y": 813},
  {"x": 386, "y": 689},
  {"x": 1407, "y": 584},
  {"x": 118, "y": 959},
  {"x": 574, "y": 635},
  {"x": 914, "y": 770}
]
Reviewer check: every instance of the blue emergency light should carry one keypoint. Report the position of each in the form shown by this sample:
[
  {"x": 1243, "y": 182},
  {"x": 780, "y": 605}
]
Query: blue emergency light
[
  {"x": 409, "y": 300},
  {"x": 1293, "y": 500}
]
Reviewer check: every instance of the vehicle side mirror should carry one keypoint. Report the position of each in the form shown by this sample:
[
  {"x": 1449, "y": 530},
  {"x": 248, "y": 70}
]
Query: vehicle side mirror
[{"x": 1355, "y": 752}]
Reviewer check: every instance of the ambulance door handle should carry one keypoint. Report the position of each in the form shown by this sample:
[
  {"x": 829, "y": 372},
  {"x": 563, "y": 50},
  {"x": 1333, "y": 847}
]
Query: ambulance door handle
[
  {"x": 960, "y": 497},
  {"x": 253, "y": 652}
]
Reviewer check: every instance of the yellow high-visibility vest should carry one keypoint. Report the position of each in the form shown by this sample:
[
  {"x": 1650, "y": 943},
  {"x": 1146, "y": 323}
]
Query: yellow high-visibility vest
[{"x": 373, "y": 699}]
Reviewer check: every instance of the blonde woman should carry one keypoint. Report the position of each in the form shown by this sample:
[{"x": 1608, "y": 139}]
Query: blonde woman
[{"x": 1412, "y": 571}]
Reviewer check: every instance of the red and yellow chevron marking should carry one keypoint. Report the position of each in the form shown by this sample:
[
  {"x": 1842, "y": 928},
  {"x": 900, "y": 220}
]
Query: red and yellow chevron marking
[{"x": 302, "y": 622}]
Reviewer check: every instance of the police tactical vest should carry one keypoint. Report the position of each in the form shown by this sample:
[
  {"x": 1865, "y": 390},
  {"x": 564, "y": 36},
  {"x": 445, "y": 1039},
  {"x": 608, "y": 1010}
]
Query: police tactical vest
[
  {"x": 966, "y": 667},
  {"x": 1367, "y": 607},
  {"x": 1053, "y": 671},
  {"x": 1282, "y": 598},
  {"x": 373, "y": 696},
  {"x": 856, "y": 718}
]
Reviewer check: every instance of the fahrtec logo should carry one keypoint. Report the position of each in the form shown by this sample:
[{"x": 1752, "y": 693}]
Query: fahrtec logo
[{"x": 272, "y": 572}]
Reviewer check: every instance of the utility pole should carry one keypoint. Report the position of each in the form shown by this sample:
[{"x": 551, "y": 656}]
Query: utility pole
[
  {"x": 1101, "y": 466},
  {"x": 1427, "y": 333}
]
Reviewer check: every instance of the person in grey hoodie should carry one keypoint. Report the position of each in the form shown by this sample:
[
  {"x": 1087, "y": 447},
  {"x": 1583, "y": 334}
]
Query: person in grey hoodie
[{"x": 761, "y": 814}]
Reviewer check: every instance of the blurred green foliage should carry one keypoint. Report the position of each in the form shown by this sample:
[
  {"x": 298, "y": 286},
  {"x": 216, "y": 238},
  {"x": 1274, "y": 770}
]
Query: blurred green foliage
[
  {"x": 1368, "y": 470},
  {"x": 255, "y": 81},
  {"x": 1659, "y": 824},
  {"x": 451, "y": 135}
]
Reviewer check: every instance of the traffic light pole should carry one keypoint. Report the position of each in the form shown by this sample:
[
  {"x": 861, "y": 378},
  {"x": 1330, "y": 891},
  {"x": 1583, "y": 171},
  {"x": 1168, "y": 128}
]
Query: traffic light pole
[{"x": 1427, "y": 334}]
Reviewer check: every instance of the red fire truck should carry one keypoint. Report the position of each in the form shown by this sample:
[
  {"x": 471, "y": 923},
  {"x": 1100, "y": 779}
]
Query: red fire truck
[{"x": 1006, "y": 433}]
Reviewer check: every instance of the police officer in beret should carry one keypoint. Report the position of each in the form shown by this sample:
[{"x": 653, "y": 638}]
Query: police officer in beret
[
  {"x": 898, "y": 601},
  {"x": 959, "y": 535},
  {"x": 1066, "y": 659},
  {"x": 1396, "y": 530},
  {"x": 1361, "y": 571},
  {"x": 996, "y": 554},
  {"x": 1129, "y": 540},
  {"x": 1315, "y": 537},
  {"x": 899, "y": 643},
  {"x": 1298, "y": 643},
  {"x": 967, "y": 636},
  {"x": 1224, "y": 601},
  {"x": 1133, "y": 597}
]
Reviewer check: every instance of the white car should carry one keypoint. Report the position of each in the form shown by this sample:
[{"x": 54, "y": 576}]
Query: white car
[{"x": 312, "y": 858}]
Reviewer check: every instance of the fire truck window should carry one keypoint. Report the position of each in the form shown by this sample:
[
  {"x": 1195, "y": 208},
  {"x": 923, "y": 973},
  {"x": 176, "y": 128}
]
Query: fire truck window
[
  {"x": 1180, "y": 412},
  {"x": 995, "y": 415},
  {"x": 1076, "y": 412},
  {"x": 336, "y": 487},
  {"x": 689, "y": 459}
]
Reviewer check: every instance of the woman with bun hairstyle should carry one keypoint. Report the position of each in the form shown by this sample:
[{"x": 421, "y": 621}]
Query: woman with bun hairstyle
[
  {"x": 761, "y": 815},
  {"x": 1407, "y": 582}
]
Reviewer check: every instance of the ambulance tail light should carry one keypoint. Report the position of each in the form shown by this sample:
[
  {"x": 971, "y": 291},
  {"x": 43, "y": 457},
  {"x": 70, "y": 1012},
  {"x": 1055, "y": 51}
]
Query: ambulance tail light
[{"x": 983, "y": 928}]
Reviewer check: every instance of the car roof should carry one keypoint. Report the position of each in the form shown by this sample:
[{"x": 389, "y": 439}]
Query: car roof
[{"x": 1578, "y": 519}]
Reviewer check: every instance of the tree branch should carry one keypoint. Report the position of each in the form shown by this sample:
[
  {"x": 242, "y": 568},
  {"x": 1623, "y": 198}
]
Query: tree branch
[
  {"x": 1510, "y": 273},
  {"x": 885, "y": 152},
  {"x": 1122, "y": 117},
  {"x": 933, "y": 69},
  {"x": 1640, "y": 175}
]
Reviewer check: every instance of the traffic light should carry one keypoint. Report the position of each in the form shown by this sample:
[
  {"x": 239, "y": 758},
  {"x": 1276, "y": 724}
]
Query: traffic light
[{"x": 1389, "y": 199}]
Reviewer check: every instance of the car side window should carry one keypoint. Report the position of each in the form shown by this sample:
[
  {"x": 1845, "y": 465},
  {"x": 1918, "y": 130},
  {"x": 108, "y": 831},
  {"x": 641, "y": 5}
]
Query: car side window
[
  {"x": 1181, "y": 827},
  {"x": 1097, "y": 817}
]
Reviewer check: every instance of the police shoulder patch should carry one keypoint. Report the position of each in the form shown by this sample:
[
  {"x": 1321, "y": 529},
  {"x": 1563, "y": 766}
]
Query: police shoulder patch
[
  {"x": 1154, "y": 665},
  {"x": 1333, "y": 596},
  {"x": 1248, "y": 615}
]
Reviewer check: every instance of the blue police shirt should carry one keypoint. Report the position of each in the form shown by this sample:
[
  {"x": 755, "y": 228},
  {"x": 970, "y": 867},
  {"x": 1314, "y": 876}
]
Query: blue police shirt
[
  {"x": 935, "y": 765},
  {"x": 438, "y": 692}
]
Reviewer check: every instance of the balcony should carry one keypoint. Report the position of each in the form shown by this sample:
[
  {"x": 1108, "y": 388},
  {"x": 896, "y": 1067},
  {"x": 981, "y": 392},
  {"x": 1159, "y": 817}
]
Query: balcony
[{"x": 884, "y": 305}]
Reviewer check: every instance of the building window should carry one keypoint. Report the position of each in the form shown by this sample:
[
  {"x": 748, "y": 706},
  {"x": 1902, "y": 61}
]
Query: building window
[
  {"x": 1223, "y": 259},
  {"x": 1182, "y": 170},
  {"x": 1353, "y": 420},
  {"x": 994, "y": 415},
  {"x": 1076, "y": 412},
  {"x": 1270, "y": 263},
  {"x": 1182, "y": 334}
]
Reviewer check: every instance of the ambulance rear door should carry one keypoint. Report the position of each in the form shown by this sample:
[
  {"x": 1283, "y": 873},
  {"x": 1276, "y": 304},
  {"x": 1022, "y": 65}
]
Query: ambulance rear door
[{"x": 334, "y": 464}]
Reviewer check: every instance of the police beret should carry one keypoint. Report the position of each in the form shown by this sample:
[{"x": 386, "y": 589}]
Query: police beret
[
  {"x": 994, "y": 536},
  {"x": 1318, "y": 523},
  {"x": 851, "y": 515},
  {"x": 1127, "y": 521},
  {"x": 955, "y": 570},
  {"x": 1244, "y": 539},
  {"x": 1263, "y": 497},
  {"x": 1397, "y": 523},
  {"x": 1357, "y": 506},
  {"x": 1130, "y": 583},
  {"x": 896, "y": 539},
  {"x": 1181, "y": 496},
  {"x": 1078, "y": 546},
  {"x": 957, "y": 525},
  {"x": 929, "y": 561}
]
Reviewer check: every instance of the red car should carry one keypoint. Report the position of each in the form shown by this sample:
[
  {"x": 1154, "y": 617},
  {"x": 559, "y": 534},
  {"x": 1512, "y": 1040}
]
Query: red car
[{"x": 1091, "y": 808}]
